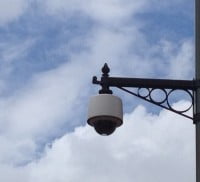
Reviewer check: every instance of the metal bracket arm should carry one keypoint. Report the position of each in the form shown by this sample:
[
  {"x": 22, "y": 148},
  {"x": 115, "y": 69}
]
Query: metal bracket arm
[
  {"x": 147, "y": 83},
  {"x": 167, "y": 86}
]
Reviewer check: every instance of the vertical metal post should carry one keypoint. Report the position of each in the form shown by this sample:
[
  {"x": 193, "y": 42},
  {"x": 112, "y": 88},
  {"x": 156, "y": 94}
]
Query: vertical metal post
[{"x": 197, "y": 97}]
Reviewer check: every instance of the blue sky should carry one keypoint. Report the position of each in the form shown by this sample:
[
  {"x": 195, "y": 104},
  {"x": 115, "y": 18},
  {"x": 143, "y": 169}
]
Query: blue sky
[{"x": 49, "y": 51}]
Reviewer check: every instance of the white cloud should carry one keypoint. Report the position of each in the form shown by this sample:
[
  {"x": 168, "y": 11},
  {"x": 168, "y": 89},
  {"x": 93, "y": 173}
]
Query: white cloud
[
  {"x": 103, "y": 11},
  {"x": 129, "y": 53},
  {"x": 12, "y": 53},
  {"x": 116, "y": 37},
  {"x": 40, "y": 110},
  {"x": 10, "y": 174},
  {"x": 11, "y": 9},
  {"x": 112, "y": 12},
  {"x": 146, "y": 144},
  {"x": 49, "y": 101},
  {"x": 146, "y": 148},
  {"x": 182, "y": 63}
]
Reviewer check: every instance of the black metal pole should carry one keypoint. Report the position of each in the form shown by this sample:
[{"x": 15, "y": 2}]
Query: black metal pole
[{"x": 197, "y": 99}]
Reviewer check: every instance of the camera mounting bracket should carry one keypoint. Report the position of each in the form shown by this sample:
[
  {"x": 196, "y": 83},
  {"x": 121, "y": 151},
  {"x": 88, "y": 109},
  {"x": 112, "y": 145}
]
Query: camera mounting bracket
[{"x": 166, "y": 86}]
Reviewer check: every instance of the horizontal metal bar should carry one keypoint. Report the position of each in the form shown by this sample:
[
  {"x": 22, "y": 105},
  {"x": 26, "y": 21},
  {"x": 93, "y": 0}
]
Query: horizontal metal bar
[{"x": 149, "y": 83}]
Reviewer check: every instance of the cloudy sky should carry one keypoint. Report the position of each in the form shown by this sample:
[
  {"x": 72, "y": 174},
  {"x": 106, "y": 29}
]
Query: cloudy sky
[{"x": 49, "y": 51}]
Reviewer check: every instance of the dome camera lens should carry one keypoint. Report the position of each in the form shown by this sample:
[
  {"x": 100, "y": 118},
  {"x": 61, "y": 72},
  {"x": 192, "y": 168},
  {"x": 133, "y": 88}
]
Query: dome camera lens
[{"x": 105, "y": 127}]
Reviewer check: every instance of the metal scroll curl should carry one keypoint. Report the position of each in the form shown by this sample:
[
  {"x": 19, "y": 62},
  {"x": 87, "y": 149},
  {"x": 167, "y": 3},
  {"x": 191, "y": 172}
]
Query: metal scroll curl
[
  {"x": 184, "y": 110},
  {"x": 161, "y": 98}
]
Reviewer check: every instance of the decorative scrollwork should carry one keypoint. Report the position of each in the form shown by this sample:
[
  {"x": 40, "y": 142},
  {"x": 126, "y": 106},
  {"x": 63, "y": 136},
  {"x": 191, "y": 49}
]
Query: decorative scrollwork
[
  {"x": 184, "y": 110},
  {"x": 143, "y": 92},
  {"x": 150, "y": 95},
  {"x": 162, "y": 100}
]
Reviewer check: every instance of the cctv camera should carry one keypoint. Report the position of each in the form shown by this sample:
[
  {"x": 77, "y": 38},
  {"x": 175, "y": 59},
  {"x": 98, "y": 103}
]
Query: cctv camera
[{"x": 105, "y": 113}]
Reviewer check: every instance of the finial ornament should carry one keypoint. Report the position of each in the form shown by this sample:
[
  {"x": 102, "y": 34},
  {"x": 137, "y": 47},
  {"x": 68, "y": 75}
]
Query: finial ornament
[{"x": 105, "y": 70}]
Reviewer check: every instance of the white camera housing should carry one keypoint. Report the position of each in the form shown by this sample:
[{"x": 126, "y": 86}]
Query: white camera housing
[{"x": 105, "y": 113}]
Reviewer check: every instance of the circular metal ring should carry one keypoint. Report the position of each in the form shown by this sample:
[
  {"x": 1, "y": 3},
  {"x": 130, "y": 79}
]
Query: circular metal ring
[
  {"x": 179, "y": 111},
  {"x": 145, "y": 95},
  {"x": 162, "y": 100}
]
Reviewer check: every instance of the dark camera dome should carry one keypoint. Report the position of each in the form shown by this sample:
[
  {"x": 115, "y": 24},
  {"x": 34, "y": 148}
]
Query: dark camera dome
[{"x": 105, "y": 127}]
